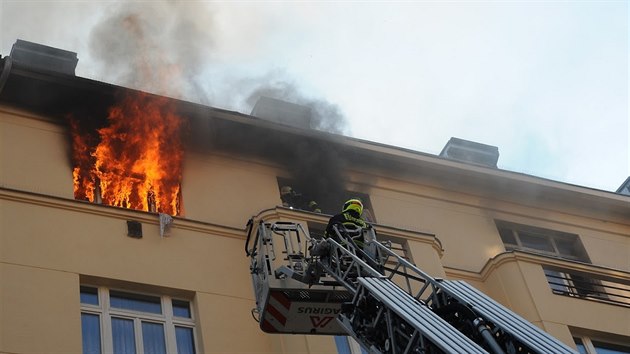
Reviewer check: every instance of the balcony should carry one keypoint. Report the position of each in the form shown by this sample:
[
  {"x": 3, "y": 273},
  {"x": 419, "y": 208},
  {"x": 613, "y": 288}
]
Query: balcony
[
  {"x": 557, "y": 294},
  {"x": 589, "y": 286}
]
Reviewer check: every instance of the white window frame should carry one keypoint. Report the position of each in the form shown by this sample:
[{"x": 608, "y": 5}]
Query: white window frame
[{"x": 167, "y": 319}]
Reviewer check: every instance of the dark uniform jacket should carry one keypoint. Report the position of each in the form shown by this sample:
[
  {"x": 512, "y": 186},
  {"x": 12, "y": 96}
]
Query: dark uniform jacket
[{"x": 350, "y": 219}]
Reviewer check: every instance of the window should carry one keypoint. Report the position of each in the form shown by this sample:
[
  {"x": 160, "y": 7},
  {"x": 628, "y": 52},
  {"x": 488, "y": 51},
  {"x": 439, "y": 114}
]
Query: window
[
  {"x": 114, "y": 321},
  {"x": 587, "y": 345},
  {"x": 299, "y": 196},
  {"x": 347, "y": 345},
  {"x": 548, "y": 242},
  {"x": 568, "y": 282}
]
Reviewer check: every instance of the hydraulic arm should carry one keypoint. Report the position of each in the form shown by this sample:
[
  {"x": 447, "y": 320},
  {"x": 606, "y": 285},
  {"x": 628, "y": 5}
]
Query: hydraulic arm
[{"x": 382, "y": 300}]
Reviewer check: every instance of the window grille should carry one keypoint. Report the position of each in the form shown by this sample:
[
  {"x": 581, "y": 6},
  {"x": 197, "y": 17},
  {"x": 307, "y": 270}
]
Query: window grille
[{"x": 588, "y": 286}]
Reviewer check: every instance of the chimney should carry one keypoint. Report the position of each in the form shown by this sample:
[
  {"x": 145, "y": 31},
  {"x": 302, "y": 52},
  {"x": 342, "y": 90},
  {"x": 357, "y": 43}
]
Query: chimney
[
  {"x": 471, "y": 152},
  {"x": 39, "y": 56},
  {"x": 283, "y": 112}
]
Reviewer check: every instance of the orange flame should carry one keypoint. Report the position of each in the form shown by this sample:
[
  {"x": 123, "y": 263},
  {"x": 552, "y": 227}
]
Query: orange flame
[
  {"x": 83, "y": 176},
  {"x": 138, "y": 160}
]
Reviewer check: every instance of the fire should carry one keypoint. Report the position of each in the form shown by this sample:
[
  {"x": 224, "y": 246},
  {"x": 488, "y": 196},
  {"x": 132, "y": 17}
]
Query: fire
[
  {"x": 137, "y": 160},
  {"x": 83, "y": 176}
]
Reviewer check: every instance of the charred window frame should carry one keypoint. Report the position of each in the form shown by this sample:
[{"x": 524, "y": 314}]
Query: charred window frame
[
  {"x": 544, "y": 241},
  {"x": 151, "y": 201}
]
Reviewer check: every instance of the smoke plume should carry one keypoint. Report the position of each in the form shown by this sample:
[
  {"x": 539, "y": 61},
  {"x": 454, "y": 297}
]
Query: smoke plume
[
  {"x": 160, "y": 48},
  {"x": 325, "y": 116},
  {"x": 166, "y": 48}
]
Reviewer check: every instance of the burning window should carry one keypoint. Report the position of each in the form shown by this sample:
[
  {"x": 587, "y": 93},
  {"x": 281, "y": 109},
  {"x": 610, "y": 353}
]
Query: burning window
[{"x": 135, "y": 161}]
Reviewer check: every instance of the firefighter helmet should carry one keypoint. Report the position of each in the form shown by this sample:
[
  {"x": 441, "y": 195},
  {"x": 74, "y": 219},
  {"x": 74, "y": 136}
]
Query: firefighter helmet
[
  {"x": 286, "y": 190},
  {"x": 353, "y": 204}
]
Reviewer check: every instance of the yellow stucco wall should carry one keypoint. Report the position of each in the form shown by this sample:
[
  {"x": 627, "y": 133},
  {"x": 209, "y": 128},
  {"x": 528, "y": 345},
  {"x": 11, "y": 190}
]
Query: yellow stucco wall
[
  {"x": 66, "y": 241},
  {"x": 49, "y": 243},
  {"x": 227, "y": 190},
  {"x": 39, "y": 310},
  {"x": 34, "y": 154},
  {"x": 465, "y": 224}
]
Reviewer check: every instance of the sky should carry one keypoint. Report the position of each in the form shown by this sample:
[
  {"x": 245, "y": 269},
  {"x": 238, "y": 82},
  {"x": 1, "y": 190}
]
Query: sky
[{"x": 544, "y": 81}]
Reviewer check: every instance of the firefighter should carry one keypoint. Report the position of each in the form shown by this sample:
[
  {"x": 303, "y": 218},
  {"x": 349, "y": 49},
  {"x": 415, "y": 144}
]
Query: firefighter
[
  {"x": 312, "y": 206},
  {"x": 349, "y": 218},
  {"x": 292, "y": 199},
  {"x": 289, "y": 197}
]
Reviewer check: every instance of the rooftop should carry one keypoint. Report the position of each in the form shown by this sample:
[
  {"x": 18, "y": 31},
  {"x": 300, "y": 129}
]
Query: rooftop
[{"x": 56, "y": 93}]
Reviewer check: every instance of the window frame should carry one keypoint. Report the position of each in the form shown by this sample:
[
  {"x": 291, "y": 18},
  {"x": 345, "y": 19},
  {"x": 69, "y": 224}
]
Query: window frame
[
  {"x": 560, "y": 281},
  {"x": 330, "y": 205},
  {"x": 106, "y": 312},
  {"x": 588, "y": 343},
  {"x": 552, "y": 236}
]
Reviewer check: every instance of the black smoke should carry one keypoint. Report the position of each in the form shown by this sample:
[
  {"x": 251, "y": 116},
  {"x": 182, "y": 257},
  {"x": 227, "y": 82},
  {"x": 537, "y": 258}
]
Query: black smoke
[
  {"x": 168, "y": 47},
  {"x": 325, "y": 116},
  {"x": 161, "y": 47},
  {"x": 316, "y": 167}
]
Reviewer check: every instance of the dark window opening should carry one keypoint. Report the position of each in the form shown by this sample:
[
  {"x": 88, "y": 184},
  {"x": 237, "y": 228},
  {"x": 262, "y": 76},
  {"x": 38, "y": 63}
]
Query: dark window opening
[{"x": 300, "y": 197}]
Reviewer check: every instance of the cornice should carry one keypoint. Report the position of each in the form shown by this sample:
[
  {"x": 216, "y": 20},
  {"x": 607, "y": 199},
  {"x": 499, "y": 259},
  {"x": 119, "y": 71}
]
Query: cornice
[
  {"x": 501, "y": 259},
  {"x": 118, "y": 213}
]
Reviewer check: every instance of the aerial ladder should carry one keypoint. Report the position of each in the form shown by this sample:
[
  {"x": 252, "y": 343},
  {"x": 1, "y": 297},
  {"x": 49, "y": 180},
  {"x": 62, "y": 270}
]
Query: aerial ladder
[{"x": 311, "y": 285}]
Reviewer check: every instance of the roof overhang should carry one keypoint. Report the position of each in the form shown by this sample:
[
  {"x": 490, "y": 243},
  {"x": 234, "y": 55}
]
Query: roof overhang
[{"x": 57, "y": 94}]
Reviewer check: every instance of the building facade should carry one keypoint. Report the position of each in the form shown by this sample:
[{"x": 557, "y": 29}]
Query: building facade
[{"x": 78, "y": 275}]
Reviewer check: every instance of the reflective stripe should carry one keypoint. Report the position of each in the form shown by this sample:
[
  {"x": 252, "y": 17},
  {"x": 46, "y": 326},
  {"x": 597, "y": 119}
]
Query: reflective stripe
[{"x": 353, "y": 220}]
